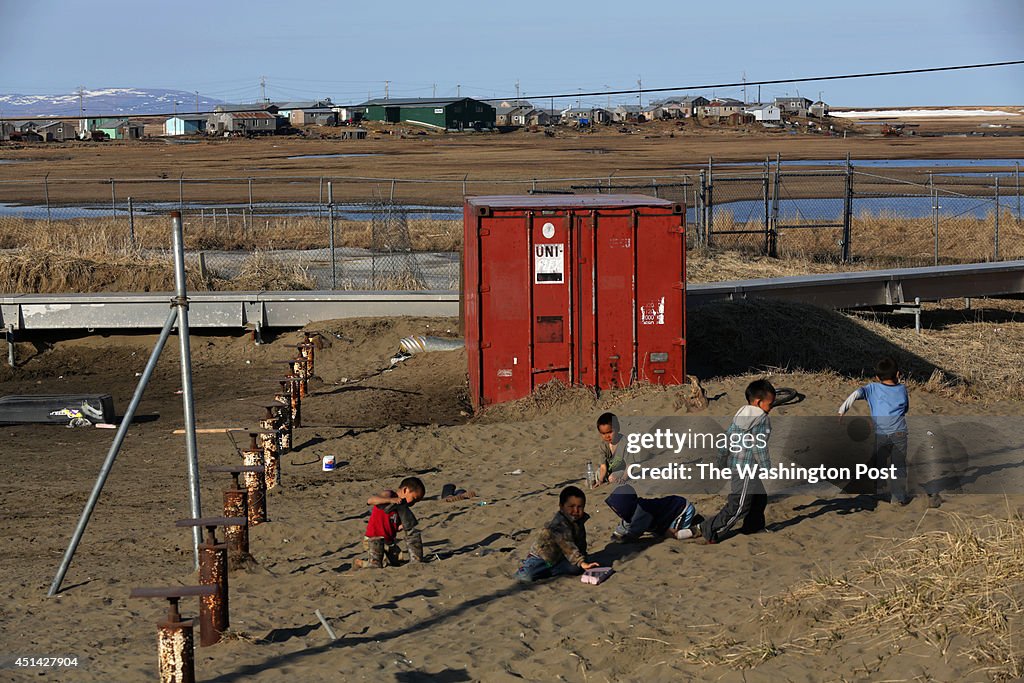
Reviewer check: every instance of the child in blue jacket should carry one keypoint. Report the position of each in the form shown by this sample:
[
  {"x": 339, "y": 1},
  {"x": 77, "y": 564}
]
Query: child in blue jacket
[{"x": 668, "y": 517}]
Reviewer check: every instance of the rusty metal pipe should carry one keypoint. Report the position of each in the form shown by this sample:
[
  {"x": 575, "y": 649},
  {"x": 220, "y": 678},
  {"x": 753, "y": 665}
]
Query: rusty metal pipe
[
  {"x": 256, "y": 486},
  {"x": 213, "y": 571}
]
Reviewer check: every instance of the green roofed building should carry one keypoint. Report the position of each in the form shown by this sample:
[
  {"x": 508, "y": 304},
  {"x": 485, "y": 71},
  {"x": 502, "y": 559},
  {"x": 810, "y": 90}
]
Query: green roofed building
[{"x": 457, "y": 114}]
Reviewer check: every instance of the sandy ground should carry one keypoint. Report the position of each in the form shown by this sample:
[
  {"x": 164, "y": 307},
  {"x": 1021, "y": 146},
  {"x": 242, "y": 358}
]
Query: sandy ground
[{"x": 460, "y": 617}]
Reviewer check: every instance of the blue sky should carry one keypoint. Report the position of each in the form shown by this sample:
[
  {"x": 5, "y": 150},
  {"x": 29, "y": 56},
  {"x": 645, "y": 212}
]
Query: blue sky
[{"x": 347, "y": 50}]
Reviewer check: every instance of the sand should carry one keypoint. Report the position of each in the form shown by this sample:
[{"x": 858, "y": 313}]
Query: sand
[{"x": 460, "y": 617}]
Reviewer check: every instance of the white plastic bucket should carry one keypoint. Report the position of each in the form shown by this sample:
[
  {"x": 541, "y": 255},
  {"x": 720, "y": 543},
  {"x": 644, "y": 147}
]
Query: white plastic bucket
[{"x": 328, "y": 463}]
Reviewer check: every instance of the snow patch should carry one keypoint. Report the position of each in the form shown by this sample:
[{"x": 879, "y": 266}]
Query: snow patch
[{"x": 919, "y": 113}]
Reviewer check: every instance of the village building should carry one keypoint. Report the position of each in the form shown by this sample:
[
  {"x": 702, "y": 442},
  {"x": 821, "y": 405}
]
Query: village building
[
  {"x": 186, "y": 124},
  {"x": 793, "y": 106},
  {"x": 585, "y": 116},
  {"x": 442, "y": 114},
  {"x": 244, "y": 123},
  {"x": 764, "y": 113}
]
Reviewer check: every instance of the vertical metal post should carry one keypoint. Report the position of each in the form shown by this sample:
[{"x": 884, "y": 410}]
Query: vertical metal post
[
  {"x": 847, "y": 211},
  {"x": 46, "y": 195},
  {"x": 996, "y": 227},
  {"x": 115, "y": 447},
  {"x": 11, "y": 360},
  {"x": 764, "y": 196},
  {"x": 131, "y": 222},
  {"x": 703, "y": 220},
  {"x": 320, "y": 201},
  {"x": 181, "y": 192},
  {"x": 250, "y": 195},
  {"x": 774, "y": 220},
  {"x": 330, "y": 218},
  {"x": 113, "y": 197},
  {"x": 181, "y": 302},
  {"x": 935, "y": 216},
  {"x": 391, "y": 197},
  {"x": 1016, "y": 166},
  {"x": 709, "y": 199}
]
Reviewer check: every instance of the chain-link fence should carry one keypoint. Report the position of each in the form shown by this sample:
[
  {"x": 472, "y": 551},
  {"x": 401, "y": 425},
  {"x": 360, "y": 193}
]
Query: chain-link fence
[{"x": 367, "y": 233}]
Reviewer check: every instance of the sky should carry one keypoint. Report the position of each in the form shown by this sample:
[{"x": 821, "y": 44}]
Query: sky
[{"x": 346, "y": 51}]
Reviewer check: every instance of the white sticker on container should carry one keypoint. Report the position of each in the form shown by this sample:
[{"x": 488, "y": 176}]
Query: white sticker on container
[
  {"x": 549, "y": 264},
  {"x": 548, "y": 230},
  {"x": 505, "y": 372},
  {"x": 653, "y": 313}
]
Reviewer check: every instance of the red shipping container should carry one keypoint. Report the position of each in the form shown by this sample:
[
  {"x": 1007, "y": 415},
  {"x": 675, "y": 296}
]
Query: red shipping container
[{"x": 585, "y": 289}]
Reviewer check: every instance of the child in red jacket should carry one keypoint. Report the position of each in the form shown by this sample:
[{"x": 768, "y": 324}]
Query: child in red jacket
[{"x": 390, "y": 513}]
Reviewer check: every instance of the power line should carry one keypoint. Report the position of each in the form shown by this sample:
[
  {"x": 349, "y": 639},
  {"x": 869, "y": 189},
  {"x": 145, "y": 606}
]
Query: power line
[{"x": 738, "y": 84}]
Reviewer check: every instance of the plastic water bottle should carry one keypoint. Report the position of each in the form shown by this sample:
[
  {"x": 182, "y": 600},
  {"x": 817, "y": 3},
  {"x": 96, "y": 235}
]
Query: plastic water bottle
[{"x": 590, "y": 475}]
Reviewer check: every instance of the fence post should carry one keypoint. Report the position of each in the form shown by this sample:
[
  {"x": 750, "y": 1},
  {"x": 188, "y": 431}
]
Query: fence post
[
  {"x": 181, "y": 193},
  {"x": 1016, "y": 166},
  {"x": 774, "y": 220},
  {"x": 709, "y": 200},
  {"x": 391, "y": 197},
  {"x": 764, "y": 196},
  {"x": 113, "y": 198},
  {"x": 996, "y": 239},
  {"x": 847, "y": 211},
  {"x": 131, "y": 222},
  {"x": 250, "y": 195},
  {"x": 935, "y": 215},
  {"x": 46, "y": 194},
  {"x": 702, "y": 218},
  {"x": 330, "y": 219}
]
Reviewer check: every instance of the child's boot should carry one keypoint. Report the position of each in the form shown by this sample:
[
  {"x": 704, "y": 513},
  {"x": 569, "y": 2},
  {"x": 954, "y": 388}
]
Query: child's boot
[
  {"x": 374, "y": 554},
  {"x": 415, "y": 544}
]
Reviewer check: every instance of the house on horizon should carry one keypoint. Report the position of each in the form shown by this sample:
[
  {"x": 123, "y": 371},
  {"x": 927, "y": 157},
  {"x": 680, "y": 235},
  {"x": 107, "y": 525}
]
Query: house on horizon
[
  {"x": 314, "y": 112},
  {"x": 112, "y": 128},
  {"x": 244, "y": 123},
  {"x": 721, "y": 107},
  {"x": 186, "y": 124},
  {"x": 818, "y": 110},
  {"x": 682, "y": 107},
  {"x": 585, "y": 116},
  {"x": 441, "y": 114},
  {"x": 793, "y": 106},
  {"x": 764, "y": 113}
]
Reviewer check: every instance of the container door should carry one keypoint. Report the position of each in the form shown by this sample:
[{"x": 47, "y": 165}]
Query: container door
[
  {"x": 585, "y": 301},
  {"x": 615, "y": 301},
  {"x": 504, "y": 308},
  {"x": 551, "y": 288}
]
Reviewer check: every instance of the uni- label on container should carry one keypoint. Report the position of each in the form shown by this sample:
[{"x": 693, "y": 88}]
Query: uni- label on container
[{"x": 586, "y": 289}]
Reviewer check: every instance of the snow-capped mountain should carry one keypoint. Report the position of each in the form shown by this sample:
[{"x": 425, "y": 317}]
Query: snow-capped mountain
[{"x": 104, "y": 101}]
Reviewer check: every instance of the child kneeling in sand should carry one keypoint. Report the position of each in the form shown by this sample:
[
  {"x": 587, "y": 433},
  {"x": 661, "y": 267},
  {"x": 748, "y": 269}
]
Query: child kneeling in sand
[
  {"x": 390, "y": 513},
  {"x": 668, "y": 517},
  {"x": 560, "y": 546}
]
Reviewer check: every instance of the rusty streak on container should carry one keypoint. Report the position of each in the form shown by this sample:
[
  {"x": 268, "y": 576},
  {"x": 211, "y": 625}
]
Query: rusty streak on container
[{"x": 585, "y": 290}]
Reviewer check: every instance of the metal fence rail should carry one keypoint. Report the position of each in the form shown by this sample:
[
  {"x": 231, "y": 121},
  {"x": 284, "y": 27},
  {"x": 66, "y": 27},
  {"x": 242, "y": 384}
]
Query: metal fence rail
[{"x": 377, "y": 233}]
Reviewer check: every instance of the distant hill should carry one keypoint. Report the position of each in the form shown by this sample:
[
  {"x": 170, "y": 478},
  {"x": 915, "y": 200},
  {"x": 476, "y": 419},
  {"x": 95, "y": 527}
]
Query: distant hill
[{"x": 104, "y": 101}]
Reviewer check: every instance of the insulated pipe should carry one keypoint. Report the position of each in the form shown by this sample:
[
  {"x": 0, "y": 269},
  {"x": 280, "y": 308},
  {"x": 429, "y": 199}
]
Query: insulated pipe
[
  {"x": 115, "y": 447},
  {"x": 181, "y": 301},
  {"x": 420, "y": 344}
]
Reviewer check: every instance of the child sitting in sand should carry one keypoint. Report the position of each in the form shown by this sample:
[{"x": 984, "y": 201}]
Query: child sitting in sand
[
  {"x": 612, "y": 451},
  {"x": 668, "y": 517},
  {"x": 561, "y": 546},
  {"x": 889, "y": 403},
  {"x": 390, "y": 513}
]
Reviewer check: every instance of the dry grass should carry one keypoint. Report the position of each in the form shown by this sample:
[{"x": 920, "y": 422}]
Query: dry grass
[
  {"x": 260, "y": 272},
  {"x": 958, "y": 591}
]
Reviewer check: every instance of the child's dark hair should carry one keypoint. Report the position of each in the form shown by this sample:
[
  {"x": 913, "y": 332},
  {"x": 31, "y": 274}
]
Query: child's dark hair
[
  {"x": 571, "y": 492},
  {"x": 759, "y": 389},
  {"x": 887, "y": 369},
  {"x": 413, "y": 484},
  {"x": 606, "y": 420}
]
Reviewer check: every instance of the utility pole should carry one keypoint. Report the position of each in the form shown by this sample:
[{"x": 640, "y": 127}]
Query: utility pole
[
  {"x": 458, "y": 90},
  {"x": 579, "y": 93},
  {"x": 81, "y": 104},
  {"x": 435, "y": 91},
  {"x": 744, "y": 87},
  {"x": 640, "y": 91},
  {"x": 263, "y": 88},
  {"x": 197, "y": 101},
  {"x": 608, "y": 103},
  {"x": 517, "y": 90},
  {"x": 387, "y": 89}
]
